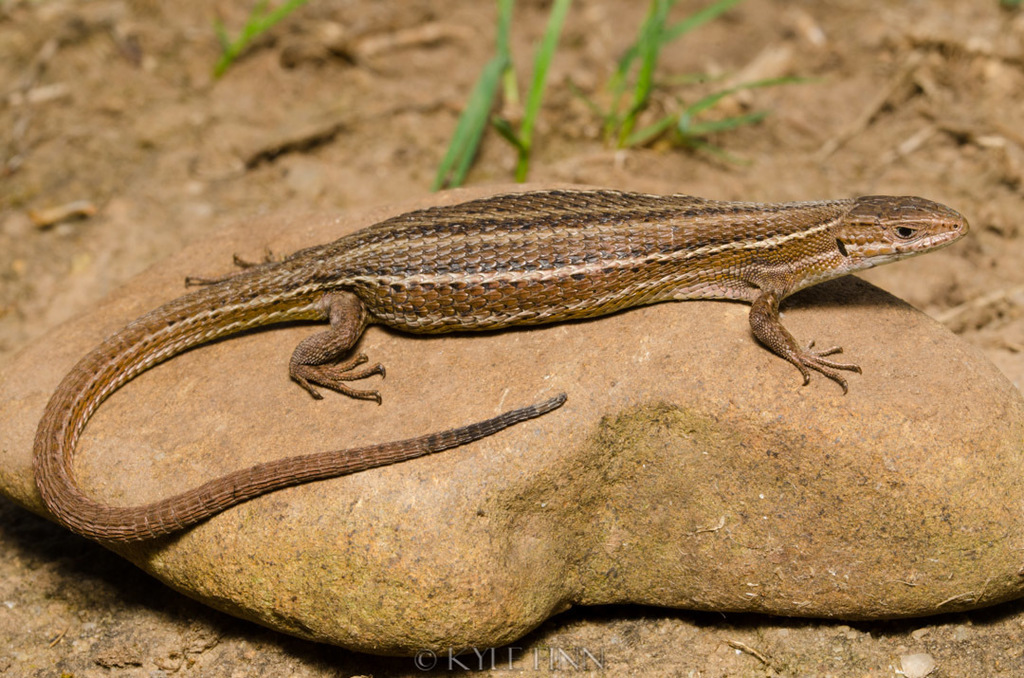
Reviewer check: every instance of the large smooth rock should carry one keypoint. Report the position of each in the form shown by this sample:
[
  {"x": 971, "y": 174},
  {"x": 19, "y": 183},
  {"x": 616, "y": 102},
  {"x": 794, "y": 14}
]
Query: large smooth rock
[{"x": 689, "y": 467}]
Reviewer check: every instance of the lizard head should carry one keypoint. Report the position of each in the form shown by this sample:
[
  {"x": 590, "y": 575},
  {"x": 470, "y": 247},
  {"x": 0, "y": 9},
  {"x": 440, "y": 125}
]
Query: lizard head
[{"x": 879, "y": 228}]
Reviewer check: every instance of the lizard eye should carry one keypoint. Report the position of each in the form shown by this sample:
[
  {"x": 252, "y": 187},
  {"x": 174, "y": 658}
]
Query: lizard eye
[
  {"x": 842, "y": 247},
  {"x": 905, "y": 232}
]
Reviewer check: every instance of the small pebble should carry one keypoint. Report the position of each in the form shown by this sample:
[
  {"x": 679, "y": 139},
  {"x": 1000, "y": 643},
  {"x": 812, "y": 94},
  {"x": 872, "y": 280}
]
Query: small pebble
[{"x": 917, "y": 665}]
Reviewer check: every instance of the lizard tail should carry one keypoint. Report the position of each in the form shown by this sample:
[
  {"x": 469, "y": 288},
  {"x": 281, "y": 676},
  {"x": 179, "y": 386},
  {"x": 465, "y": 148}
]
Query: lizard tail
[{"x": 154, "y": 338}]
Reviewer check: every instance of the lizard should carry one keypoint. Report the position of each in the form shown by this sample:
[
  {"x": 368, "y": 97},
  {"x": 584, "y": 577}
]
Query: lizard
[{"x": 508, "y": 260}]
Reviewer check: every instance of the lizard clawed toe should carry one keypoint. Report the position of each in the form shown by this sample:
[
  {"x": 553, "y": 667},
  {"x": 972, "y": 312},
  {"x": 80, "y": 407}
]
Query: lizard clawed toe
[
  {"x": 239, "y": 262},
  {"x": 335, "y": 376},
  {"x": 268, "y": 258},
  {"x": 811, "y": 359},
  {"x": 823, "y": 352}
]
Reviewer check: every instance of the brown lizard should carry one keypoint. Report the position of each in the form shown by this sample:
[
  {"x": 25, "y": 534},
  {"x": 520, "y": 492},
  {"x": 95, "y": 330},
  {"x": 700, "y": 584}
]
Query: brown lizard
[{"x": 510, "y": 260}]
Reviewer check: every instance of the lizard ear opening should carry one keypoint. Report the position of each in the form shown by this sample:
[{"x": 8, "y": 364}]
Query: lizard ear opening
[{"x": 842, "y": 247}]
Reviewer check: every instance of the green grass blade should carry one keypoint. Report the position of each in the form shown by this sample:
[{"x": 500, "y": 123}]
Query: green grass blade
[
  {"x": 689, "y": 131},
  {"x": 470, "y": 128},
  {"x": 648, "y": 48},
  {"x": 613, "y": 120},
  {"x": 587, "y": 101},
  {"x": 504, "y": 128},
  {"x": 501, "y": 40},
  {"x": 222, "y": 35},
  {"x": 473, "y": 121},
  {"x": 701, "y": 145},
  {"x": 541, "y": 63},
  {"x": 272, "y": 18},
  {"x": 654, "y": 35},
  {"x": 699, "y": 129},
  {"x": 698, "y": 19},
  {"x": 652, "y": 131},
  {"x": 618, "y": 80},
  {"x": 712, "y": 99},
  {"x": 259, "y": 22}
]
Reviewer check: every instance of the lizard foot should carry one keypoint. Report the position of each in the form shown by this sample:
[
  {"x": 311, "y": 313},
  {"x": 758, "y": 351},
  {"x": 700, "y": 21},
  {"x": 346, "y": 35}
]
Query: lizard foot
[
  {"x": 335, "y": 376},
  {"x": 812, "y": 359},
  {"x": 243, "y": 264}
]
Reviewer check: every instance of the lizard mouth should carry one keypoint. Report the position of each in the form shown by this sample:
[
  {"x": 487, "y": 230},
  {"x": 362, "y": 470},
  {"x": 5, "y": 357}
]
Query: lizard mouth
[{"x": 895, "y": 250}]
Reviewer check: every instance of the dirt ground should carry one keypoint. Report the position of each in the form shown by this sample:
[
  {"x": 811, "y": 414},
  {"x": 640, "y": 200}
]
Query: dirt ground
[{"x": 350, "y": 103}]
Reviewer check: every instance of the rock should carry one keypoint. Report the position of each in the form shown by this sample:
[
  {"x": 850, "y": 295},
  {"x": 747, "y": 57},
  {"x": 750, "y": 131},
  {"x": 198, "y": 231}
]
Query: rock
[
  {"x": 917, "y": 665},
  {"x": 689, "y": 467}
]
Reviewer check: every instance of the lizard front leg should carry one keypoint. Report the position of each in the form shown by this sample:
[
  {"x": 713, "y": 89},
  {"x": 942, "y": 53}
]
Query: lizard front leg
[
  {"x": 317, "y": 360},
  {"x": 765, "y": 323}
]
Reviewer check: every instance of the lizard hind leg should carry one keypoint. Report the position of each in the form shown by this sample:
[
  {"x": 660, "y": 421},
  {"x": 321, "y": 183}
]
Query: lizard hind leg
[{"x": 318, "y": 360}]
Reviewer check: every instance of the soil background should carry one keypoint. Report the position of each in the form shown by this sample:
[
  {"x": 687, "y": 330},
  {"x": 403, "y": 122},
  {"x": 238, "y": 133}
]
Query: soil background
[{"x": 350, "y": 103}]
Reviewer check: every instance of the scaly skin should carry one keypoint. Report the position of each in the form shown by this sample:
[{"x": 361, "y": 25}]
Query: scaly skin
[{"x": 519, "y": 259}]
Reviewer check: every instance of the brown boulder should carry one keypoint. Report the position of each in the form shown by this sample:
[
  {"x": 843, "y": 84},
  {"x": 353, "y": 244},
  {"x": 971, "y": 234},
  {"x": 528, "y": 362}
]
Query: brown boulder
[{"x": 689, "y": 467}]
